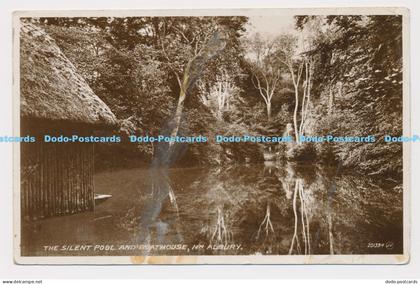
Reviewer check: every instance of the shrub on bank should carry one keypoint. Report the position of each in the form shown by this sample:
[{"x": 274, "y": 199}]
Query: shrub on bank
[{"x": 302, "y": 152}]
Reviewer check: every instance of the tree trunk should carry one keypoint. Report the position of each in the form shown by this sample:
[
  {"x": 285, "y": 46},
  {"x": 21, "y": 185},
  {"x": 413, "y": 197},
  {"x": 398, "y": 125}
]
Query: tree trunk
[
  {"x": 193, "y": 69},
  {"x": 331, "y": 102},
  {"x": 295, "y": 115},
  {"x": 330, "y": 233},
  {"x": 181, "y": 99},
  {"x": 269, "y": 111}
]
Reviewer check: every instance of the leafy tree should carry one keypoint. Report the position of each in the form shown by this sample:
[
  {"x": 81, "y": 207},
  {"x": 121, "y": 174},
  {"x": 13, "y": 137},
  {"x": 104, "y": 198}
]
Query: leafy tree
[
  {"x": 140, "y": 66},
  {"x": 359, "y": 77}
]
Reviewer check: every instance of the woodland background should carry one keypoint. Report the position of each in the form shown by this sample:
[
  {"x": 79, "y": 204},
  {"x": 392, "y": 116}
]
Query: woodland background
[{"x": 338, "y": 75}]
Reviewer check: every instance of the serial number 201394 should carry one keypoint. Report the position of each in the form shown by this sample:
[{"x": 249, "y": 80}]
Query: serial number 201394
[
  {"x": 376, "y": 245},
  {"x": 387, "y": 245}
]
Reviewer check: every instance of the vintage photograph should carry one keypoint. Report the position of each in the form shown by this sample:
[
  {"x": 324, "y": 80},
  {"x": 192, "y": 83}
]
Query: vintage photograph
[{"x": 238, "y": 136}]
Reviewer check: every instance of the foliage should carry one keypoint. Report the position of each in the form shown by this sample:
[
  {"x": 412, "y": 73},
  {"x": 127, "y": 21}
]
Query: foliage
[
  {"x": 359, "y": 77},
  {"x": 302, "y": 152},
  {"x": 136, "y": 65}
]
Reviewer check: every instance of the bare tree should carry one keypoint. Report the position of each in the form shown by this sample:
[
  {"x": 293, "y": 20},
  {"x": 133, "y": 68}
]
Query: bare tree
[
  {"x": 306, "y": 95},
  {"x": 266, "y": 73},
  {"x": 219, "y": 96},
  {"x": 300, "y": 67}
]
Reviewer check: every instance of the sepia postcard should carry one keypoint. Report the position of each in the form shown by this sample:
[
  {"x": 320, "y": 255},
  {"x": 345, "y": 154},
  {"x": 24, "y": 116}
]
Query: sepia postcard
[{"x": 247, "y": 136}]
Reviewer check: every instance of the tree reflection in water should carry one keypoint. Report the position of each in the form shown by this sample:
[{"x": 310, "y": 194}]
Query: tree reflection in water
[
  {"x": 221, "y": 235},
  {"x": 266, "y": 224},
  {"x": 306, "y": 236},
  {"x": 151, "y": 227},
  {"x": 272, "y": 209},
  {"x": 266, "y": 209}
]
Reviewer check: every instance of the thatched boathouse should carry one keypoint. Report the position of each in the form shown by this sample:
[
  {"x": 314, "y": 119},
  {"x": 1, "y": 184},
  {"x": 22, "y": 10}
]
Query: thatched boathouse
[{"x": 56, "y": 178}]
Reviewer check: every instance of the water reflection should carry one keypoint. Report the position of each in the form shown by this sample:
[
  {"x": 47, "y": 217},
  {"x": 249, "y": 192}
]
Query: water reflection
[
  {"x": 151, "y": 228},
  {"x": 241, "y": 209},
  {"x": 282, "y": 209}
]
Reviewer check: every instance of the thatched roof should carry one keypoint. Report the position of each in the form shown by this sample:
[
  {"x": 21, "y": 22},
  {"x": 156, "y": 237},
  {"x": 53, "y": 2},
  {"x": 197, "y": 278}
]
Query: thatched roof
[{"x": 50, "y": 86}]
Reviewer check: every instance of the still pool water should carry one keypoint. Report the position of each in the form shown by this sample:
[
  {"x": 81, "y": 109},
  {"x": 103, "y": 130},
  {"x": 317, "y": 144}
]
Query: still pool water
[{"x": 241, "y": 209}]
